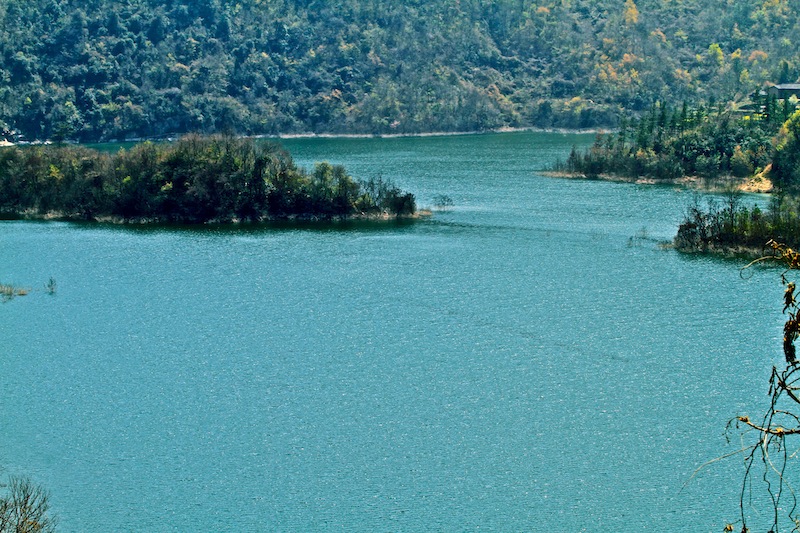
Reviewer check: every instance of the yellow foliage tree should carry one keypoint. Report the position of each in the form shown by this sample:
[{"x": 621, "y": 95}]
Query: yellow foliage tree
[{"x": 631, "y": 13}]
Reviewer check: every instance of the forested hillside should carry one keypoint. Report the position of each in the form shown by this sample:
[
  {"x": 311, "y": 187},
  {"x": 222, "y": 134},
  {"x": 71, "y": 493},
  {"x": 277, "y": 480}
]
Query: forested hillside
[{"x": 114, "y": 69}]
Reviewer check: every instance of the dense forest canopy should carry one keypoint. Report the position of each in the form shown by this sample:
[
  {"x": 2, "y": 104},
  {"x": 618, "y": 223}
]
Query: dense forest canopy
[{"x": 114, "y": 69}]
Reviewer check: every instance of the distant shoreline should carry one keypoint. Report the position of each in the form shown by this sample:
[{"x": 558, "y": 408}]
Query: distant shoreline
[
  {"x": 563, "y": 131},
  {"x": 312, "y": 135},
  {"x": 754, "y": 185}
]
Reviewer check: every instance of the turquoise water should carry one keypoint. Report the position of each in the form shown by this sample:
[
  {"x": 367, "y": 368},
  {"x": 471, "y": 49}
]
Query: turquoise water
[{"x": 527, "y": 360}]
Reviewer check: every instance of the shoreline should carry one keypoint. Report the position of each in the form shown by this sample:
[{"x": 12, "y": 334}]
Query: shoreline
[
  {"x": 313, "y": 135},
  {"x": 733, "y": 251},
  {"x": 267, "y": 219},
  {"x": 758, "y": 184}
]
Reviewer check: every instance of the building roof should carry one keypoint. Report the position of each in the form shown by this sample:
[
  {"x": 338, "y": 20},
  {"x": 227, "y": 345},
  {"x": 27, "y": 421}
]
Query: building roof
[{"x": 787, "y": 86}]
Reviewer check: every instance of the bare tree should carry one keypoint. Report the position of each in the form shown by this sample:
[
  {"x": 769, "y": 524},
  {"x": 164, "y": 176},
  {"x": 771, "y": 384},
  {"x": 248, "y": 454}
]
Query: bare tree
[
  {"x": 24, "y": 509},
  {"x": 769, "y": 454}
]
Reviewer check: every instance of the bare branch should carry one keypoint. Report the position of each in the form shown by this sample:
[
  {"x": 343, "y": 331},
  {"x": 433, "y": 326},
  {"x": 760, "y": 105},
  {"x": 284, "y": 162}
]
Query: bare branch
[
  {"x": 24, "y": 509},
  {"x": 778, "y": 431},
  {"x": 712, "y": 461}
]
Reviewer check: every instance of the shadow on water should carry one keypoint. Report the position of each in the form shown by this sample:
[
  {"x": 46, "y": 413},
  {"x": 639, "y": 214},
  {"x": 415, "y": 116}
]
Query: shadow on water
[{"x": 241, "y": 228}]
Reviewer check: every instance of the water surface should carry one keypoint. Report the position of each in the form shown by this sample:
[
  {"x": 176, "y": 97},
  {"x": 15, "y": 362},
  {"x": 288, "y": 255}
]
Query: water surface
[{"x": 529, "y": 359}]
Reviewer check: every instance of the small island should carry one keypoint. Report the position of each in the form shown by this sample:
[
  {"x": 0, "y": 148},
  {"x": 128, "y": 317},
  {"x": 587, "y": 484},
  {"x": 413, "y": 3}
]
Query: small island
[{"x": 196, "y": 179}]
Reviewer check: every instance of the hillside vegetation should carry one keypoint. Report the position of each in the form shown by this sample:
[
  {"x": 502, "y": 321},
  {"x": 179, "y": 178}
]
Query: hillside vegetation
[{"x": 113, "y": 69}]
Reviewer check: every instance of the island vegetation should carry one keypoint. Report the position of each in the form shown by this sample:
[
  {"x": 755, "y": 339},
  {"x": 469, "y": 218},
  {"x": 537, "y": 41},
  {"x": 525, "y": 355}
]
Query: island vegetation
[
  {"x": 197, "y": 179},
  {"x": 733, "y": 226},
  {"x": 104, "y": 69},
  {"x": 9, "y": 292},
  {"x": 716, "y": 143},
  {"x": 714, "y": 146}
]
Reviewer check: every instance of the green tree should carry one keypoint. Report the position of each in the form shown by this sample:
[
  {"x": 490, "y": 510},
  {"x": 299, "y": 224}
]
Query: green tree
[
  {"x": 786, "y": 157},
  {"x": 147, "y": 69}
]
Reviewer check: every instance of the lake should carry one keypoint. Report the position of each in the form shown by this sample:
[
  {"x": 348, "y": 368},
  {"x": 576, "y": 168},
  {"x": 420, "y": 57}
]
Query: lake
[{"x": 529, "y": 359}]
